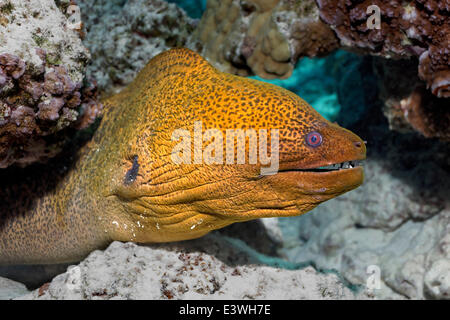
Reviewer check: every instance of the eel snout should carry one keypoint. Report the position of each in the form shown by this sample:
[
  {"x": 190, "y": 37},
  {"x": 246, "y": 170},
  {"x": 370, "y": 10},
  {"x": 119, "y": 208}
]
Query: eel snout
[{"x": 324, "y": 169}]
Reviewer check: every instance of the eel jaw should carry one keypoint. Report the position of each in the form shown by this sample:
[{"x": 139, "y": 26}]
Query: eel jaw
[
  {"x": 319, "y": 182},
  {"x": 331, "y": 167}
]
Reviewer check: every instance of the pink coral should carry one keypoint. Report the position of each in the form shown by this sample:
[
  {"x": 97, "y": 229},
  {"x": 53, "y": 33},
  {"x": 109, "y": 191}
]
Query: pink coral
[{"x": 39, "y": 103}]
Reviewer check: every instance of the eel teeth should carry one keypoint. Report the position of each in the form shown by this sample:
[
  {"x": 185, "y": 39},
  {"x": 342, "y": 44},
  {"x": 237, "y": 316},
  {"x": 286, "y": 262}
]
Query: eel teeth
[
  {"x": 342, "y": 165},
  {"x": 333, "y": 167}
]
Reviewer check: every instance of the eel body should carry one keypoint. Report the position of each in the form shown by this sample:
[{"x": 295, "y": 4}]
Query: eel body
[{"x": 127, "y": 183}]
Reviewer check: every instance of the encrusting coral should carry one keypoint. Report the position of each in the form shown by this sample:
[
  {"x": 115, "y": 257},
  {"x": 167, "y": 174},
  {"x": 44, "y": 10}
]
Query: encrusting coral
[
  {"x": 123, "y": 36},
  {"x": 34, "y": 110},
  {"x": 43, "y": 90},
  {"x": 418, "y": 28}
]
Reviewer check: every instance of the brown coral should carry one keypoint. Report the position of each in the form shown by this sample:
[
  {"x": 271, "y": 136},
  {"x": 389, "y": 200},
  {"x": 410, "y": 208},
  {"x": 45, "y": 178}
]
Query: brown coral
[
  {"x": 408, "y": 104},
  {"x": 427, "y": 114},
  {"x": 438, "y": 78},
  {"x": 262, "y": 37},
  {"x": 36, "y": 106},
  {"x": 412, "y": 28}
]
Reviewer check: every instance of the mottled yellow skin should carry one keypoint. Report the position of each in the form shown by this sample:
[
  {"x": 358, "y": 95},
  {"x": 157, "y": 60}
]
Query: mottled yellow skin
[{"x": 95, "y": 203}]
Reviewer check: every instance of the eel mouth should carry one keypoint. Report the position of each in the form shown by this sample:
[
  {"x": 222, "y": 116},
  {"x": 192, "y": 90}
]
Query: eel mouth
[
  {"x": 329, "y": 168},
  {"x": 323, "y": 179}
]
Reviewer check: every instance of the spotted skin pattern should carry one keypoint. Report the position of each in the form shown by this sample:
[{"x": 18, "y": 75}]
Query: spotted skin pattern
[{"x": 123, "y": 185}]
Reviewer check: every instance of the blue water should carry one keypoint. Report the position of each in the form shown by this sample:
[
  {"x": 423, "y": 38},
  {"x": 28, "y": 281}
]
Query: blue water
[{"x": 194, "y": 8}]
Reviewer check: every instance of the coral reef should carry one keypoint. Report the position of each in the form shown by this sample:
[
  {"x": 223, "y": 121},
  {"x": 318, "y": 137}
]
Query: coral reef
[
  {"x": 398, "y": 219},
  {"x": 408, "y": 105},
  {"x": 123, "y": 36},
  {"x": 418, "y": 28},
  {"x": 42, "y": 64},
  {"x": 259, "y": 37},
  {"x": 130, "y": 271},
  {"x": 267, "y": 38}
]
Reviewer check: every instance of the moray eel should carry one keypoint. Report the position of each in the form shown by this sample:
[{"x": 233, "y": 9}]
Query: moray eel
[{"x": 124, "y": 184}]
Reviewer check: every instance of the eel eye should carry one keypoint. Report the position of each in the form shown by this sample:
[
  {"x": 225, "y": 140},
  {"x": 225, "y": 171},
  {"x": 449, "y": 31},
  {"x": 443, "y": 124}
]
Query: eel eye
[{"x": 314, "y": 139}]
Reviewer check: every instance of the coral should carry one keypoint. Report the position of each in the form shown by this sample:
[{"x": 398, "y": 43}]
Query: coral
[
  {"x": 123, "y": 36},
  {"x": 267, "y": 37},
  {"x": 408, "y": 105},
  {"x": 261, "y": 37},
  {"x": 36, "y": 107},
  {"x": 412, "y": 28},
  {"x": 427, "y": 114},
  {"x": 397, "y": 220},
  {"x": 130, "y": 271},
  {"x": 438, "y": 81},
  {"x": 40, "y": 24},
  {"x": 42, "y": 65},
  {"x": 437, "y": 276}
]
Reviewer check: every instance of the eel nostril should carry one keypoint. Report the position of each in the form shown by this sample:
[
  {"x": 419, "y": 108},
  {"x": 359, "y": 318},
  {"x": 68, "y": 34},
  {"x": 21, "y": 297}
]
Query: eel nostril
[{"x": 357, "y": 144}]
